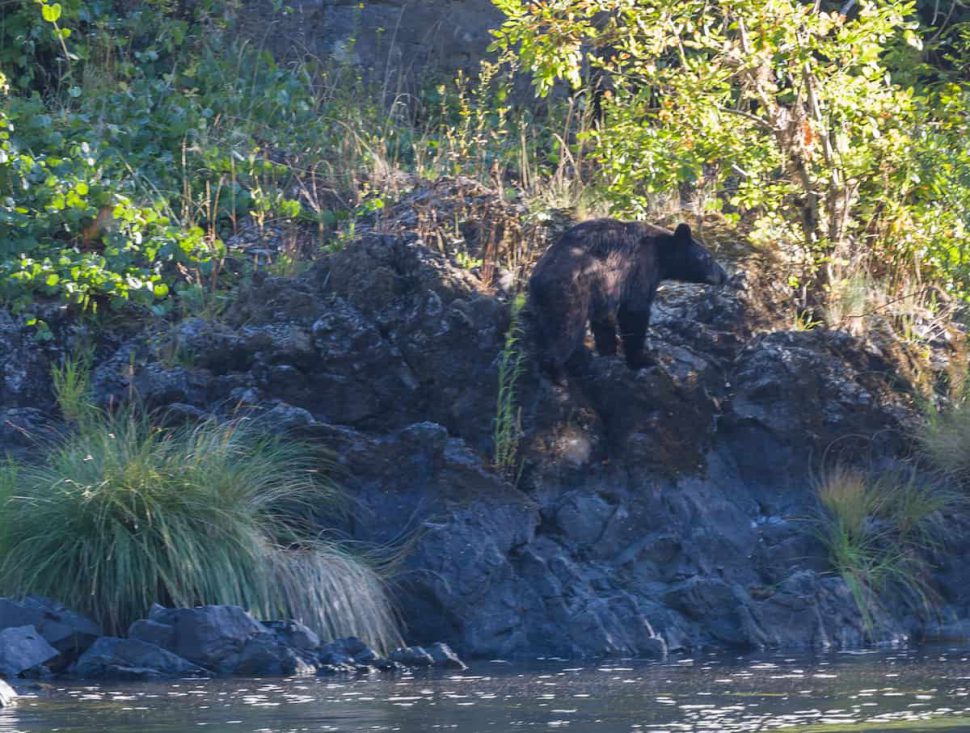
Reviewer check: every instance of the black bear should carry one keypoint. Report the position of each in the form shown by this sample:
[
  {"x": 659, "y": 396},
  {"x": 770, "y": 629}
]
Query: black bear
[{"x": 606, "y": 272}]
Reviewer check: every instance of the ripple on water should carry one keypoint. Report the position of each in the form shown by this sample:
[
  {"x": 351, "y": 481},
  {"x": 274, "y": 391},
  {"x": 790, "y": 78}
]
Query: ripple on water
[{"x": 838, "y": 693}]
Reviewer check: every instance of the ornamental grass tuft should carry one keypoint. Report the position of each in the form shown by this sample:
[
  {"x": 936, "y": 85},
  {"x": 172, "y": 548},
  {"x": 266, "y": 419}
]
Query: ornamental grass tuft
[
  {"x": 946, "y": 441},
  {"x": 879, "y": 532},
  {"x": 121, "y": 514}
]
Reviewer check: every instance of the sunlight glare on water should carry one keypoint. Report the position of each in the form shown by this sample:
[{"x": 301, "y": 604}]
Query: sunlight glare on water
[{"x": 873, "y": 691}]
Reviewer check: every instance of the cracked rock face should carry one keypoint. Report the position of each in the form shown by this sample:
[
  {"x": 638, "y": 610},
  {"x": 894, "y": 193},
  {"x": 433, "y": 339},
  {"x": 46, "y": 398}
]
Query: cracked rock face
[{"x": 655, "y": 510}]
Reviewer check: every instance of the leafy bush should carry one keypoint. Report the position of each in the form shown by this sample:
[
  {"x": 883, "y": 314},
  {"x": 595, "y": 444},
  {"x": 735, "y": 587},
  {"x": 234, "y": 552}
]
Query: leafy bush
[
  {"x": 120, "y": 515},
  {"x": 128, "y": 157},
  {"x": 788, "y": 109}
]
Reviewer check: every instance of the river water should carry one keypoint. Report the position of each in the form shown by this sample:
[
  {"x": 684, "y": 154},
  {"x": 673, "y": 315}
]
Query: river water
[{"x": 912, "y": 690}]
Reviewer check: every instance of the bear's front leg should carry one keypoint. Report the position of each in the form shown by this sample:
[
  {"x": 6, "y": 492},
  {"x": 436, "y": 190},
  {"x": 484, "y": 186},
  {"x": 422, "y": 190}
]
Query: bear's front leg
[
  {"x": 604, "y": 333},
  {"x": 633, "y": 331}
]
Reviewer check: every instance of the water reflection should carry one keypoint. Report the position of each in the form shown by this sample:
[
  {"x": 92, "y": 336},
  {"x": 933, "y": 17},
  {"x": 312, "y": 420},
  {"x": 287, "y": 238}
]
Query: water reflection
[{"x": 884, "y": 691}]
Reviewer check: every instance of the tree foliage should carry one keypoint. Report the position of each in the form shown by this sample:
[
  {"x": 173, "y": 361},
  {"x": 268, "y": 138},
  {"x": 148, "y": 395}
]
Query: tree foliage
[{"x": 790, "y": 109}]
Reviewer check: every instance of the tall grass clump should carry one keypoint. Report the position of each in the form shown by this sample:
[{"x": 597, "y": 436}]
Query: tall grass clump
[
  {"x": 71, "y": 380},
  {"x": 122, "y": 514},
  {"x": 507, "y": 428},
  {"x": 878, "y": 532},
  {"x": 946, "y": 441}
]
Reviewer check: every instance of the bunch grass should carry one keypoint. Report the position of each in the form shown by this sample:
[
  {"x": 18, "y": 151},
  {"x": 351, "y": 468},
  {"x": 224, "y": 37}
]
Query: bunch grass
[
  {"x": 945, "y": 439},
  {"x": 507, "y": 430},
  {"x": 71, "y": 381},
  {"x": 879, "y": 531},
  {"x": 122, "y": 514}
]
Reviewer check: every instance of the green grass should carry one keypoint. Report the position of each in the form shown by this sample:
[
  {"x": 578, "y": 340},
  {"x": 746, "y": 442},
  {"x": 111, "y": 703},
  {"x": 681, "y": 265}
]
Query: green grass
[
  {"x": 878, "y": 530},
  {"x": 946, "y": 441},
  {"x": 71, "y": 380},
  {"x": 121, "y": 514},
  {"x": 507, "y": 430}
]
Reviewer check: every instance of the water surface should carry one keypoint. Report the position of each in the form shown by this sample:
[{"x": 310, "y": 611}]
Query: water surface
[{"x": 908, "y": 690}]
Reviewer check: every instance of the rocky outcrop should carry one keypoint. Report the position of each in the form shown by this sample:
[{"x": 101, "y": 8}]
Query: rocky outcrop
[
  {"x": 655, "y": 511},
  {"x": 204, "y": 641}
]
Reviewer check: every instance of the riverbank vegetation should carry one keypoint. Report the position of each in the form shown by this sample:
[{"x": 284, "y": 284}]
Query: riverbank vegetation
[
  {"x": 119, "y": 513},
  {"x": 135, "y": 161},
  {"x": 151, "y": 161},
  {"x": 879, "y": 532}
]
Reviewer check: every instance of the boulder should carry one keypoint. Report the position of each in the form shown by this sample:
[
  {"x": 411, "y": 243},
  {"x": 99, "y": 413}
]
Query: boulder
[
  {"x": 266, "y": 655},
  {"x": 349, "y": 650},
  {"x": 294, "y": 634},
  {"x": 412, "y": 656},
  {"x": 67, "y": 631},
  {"x": 22, "y": 648},
  {"x": 153, "y": 632},
  {"x": 212, "y": 637},
  {"x": 444, "y": 657},
  {"x": 131, "y": 659}
]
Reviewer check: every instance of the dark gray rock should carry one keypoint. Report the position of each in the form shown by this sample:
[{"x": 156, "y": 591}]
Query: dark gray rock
[
  {"x": 22, "y": 648},
  {"x": 212, "y": 637},
  {"x": 347, "y": 651},
  {"x": 132, "y": 659},
  {"x": 266, "y": 655},
  {"x": 24, "y": 429},
  {"x": 67, "y": 631},
  {"x": 294, "y": 635},
  {"x": 444, "y": 657},
  {"x": 389, "y": 667},
  {"x": 153, "y": 632},
  {"x": 658, "y": 510},
  {"x": 24, "y": 366},
  {"x": 412, "y": 656}
]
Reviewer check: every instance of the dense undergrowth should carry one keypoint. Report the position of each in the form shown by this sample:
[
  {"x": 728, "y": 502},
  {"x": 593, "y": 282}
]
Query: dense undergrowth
[
  {"x": 140, "y": 146},
  {"x": 832, "y": 132},
  {"x": 129, "y": 158}
]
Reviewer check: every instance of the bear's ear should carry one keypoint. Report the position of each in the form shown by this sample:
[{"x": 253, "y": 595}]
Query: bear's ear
[{"x": 682, "y": 234}]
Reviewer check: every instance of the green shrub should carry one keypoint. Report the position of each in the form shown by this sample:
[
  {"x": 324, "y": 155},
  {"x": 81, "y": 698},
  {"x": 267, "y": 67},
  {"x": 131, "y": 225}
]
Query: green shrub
[
  {"x": 822, "y": 128},
  {"x": 121, "y": 514}
]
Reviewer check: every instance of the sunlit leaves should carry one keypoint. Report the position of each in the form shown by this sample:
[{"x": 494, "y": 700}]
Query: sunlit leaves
[
  {"x": 51, "y": 13},
  {"x": 788, "y": 109}
]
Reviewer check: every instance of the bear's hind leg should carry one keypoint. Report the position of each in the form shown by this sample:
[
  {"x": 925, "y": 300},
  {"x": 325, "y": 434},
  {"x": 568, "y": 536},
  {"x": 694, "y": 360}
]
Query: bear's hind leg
[
  {"x": 604, "y": 333},
  {"x": 633, "y": 331}
]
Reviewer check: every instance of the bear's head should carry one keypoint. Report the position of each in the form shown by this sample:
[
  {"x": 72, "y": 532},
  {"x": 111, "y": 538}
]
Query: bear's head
[{"x": 681, "y": 257}]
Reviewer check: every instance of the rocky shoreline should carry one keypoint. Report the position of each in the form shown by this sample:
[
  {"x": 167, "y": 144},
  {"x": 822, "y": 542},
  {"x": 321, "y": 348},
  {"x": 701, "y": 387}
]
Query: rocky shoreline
[
  {"x": 40, "y": 639},
  {"x": 664, "y": 510}
]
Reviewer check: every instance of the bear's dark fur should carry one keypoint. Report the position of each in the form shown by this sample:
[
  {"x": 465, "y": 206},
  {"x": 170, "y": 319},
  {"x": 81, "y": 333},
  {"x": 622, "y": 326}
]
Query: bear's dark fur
[{"x": 606, "y": 272}]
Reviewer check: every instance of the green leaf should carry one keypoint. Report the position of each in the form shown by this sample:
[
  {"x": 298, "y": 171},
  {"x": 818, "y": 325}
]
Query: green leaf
[{"x": 51, "y": 12}]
